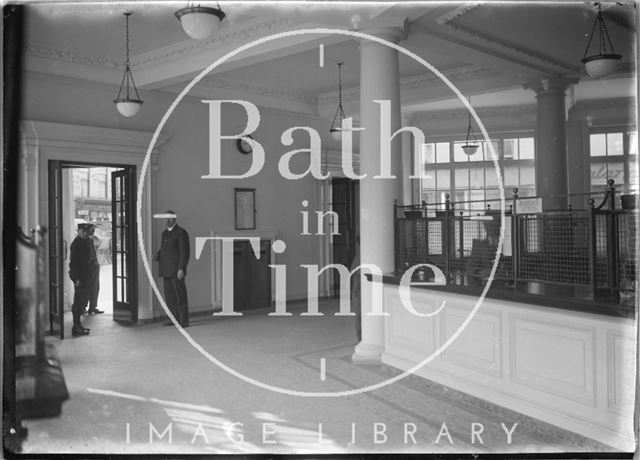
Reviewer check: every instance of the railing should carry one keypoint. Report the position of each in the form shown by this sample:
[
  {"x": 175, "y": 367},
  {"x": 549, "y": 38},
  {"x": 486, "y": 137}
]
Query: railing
[{"x": 592, "y": 249}]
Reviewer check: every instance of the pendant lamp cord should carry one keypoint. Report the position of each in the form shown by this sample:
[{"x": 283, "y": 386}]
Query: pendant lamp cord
[{"x": 602, "y": 29}]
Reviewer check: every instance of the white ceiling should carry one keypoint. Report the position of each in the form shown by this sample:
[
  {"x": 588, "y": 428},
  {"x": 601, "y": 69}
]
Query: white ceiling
[{"x": 488, "y": 50}]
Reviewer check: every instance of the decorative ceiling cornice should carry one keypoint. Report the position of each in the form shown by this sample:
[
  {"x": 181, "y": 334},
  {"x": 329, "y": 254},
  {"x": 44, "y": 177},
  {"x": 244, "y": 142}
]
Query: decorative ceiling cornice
[
  {"x": 545, "y": 63},
  {"x": 420, "y": 81},
  {"x": 240, "y": 33},
  {"x": 61, "y": 55},
  {"x": 297, "y": 96},
  {"x": 510, "y": 111}
]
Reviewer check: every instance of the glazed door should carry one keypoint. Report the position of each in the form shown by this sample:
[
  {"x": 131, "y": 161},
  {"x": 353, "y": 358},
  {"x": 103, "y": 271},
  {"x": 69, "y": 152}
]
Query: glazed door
[
  {"x": 56, "y": 251},
  {"x": 123, "y": 246}
]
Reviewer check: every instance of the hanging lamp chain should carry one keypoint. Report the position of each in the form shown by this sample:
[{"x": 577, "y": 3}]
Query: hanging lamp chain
[
  {"x": 470, "y": 133},
  {"x": 127, "y": 78},
  {"x": 340, "y": 110},
  {"x": 603, "y": 32}
]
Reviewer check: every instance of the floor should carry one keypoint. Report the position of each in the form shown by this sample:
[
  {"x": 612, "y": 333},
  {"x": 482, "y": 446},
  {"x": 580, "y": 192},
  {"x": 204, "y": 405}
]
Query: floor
[{"x": 151, "y": 389}]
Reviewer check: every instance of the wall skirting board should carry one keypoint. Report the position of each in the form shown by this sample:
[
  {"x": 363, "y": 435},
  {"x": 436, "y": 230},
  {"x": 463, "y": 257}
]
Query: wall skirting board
[{"x": 572, "y": 370}]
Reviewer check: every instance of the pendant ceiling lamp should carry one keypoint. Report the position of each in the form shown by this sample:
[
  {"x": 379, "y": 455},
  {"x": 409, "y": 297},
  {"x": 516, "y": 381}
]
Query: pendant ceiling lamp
[
  {"x": 336, "y": 128},
  {"x": 606, "y": 60},
  {"x": 200, "y": 22},
  {"x": 127, "y": 106},
  {"x": 470, "y": 145}
]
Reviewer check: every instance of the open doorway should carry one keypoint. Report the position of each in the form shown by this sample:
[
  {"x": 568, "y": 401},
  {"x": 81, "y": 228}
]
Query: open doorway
[{"x": 101, "y": 195}]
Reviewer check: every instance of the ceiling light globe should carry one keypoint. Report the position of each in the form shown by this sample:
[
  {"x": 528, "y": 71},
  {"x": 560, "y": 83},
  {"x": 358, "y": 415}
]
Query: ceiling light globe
[
  {"x": 128, "y": 107},
  {"x": 601, "y": 65},
  {"x": 336, "y": 134},
  {"x": 200, "y": 22}
]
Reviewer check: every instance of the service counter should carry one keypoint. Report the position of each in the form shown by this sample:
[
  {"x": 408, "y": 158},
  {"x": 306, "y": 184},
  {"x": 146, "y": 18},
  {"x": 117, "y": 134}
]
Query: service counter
[{"x": 572, "y": 369}]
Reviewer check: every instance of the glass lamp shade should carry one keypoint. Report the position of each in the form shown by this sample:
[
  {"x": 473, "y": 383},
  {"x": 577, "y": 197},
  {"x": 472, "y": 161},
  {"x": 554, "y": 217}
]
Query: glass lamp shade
[
  {"x": 128, "y": 107},
  {"x": 601, "y": 65},
  {"x": 469, "y": 149},
  {"x": 336, "y": 134},
  {"x": 200, "y": 22}
]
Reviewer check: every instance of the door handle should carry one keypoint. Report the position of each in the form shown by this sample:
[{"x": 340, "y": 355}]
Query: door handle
[{"x": 64, "y": 249}]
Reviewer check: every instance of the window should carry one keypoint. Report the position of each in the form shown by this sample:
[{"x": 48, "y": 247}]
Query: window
[
  {"x": 614, "y": 155},
  {"x": 472, "y": 179}
]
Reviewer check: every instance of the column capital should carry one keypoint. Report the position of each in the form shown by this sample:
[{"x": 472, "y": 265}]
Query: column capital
[
  {"x": 550, "y": 85},
  {"x": 393, "y": 29}
]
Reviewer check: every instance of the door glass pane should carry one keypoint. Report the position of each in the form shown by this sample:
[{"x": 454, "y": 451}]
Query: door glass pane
[
  {"x": 511, "y": 176},
  {"x": 491, "y": 177},
  {"x": 598, "y": 174},
  {"x": 598, "y": 146},
  {"x": 458, "y": 153},
  {"x": 429, "y": 180},
  {"x": 443, "y": 179},
  {"x": 477, "y": 177},
  {"x": 526, "y": 150},
  {"x": 462, "y": 178},
  {"x": 633, "y": 143},
  {"x": 616, "y": 172},
  {"x": 442, "y": 152},
  {"x": 527, "y": 175},
  {"x": 510, "y": 149},
  {"x": 633, "y": 172},
  {"x": 614, "y": 144}
]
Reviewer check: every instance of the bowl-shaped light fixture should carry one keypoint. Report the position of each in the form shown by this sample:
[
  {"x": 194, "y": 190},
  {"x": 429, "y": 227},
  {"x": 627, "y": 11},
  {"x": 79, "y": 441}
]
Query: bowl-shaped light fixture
[
  {"x": 336, "y": 133},
  {"x": 601, "y": 65},
  {"x": 200, "y": 22},
  {"x": 470, "y": 145},
  {"x": 605, "y": 61},
  {"x": 469, "y": 149},
  {"x": 127, "y": 106}
]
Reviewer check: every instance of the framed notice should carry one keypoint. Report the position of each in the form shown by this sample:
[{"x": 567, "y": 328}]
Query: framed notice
[{"x": 245, "y": 204}]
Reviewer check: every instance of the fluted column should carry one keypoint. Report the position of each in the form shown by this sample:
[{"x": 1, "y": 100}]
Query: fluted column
[
  {"x": 379, "y": 81},
  {"x": 551, "y": 145}
]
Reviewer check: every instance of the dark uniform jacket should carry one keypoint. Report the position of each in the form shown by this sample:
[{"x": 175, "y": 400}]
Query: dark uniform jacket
[
  {"x": 174, "y": 252},
  {"x": 82, "y": 259}
]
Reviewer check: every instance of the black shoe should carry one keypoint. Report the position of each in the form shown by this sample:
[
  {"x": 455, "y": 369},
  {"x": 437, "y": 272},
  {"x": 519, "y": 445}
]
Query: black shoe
[
  {"x": 84, "y": 312},
  {"x": 167, "y": 323},
  {"x": 78, "y": 331},
  {"x": 95, "y": 311}
]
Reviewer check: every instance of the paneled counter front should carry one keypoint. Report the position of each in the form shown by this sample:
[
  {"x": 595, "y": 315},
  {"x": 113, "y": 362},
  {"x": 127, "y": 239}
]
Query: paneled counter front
[{"x": 572, "y": 369}]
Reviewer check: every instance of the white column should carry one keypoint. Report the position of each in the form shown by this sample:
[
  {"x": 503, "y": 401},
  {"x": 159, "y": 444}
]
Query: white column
[{"x": 379, "y": 80}]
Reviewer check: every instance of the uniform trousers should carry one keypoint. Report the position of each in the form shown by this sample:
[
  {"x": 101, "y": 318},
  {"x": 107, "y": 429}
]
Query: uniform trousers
[
  {"x": 80, "y": 300},
  {"x": 175, "y": 294},
  {"x": 94, "y": 287}
]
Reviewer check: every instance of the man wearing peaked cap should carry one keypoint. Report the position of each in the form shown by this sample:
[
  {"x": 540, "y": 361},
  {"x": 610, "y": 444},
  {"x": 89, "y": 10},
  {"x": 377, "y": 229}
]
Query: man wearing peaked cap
[{"x": 79, "y": 272}]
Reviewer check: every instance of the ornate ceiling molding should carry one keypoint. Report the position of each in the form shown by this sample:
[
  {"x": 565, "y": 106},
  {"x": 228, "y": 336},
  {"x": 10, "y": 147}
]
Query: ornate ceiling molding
[
  {"x": 240, "y": 33},
  {"x": 297, "y": 96},
  {"x": 61, "y": 55},
  {"x": 508, "y": 111},
  {"x": 234, "y": 35},
  {"x": 454, "y": 75},
  {"x": 544, "y": 63}
]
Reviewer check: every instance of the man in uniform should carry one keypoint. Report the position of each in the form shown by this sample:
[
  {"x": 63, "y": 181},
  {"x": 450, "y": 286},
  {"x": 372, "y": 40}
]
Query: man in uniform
[
  {"x": 80, "y": 263},
  {"x": 94, "y": 286},
  {"x": 173, "y": 258}
]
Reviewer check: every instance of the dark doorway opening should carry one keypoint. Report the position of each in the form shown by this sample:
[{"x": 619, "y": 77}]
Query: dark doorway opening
[
  {"x": 345, "y": 201},
  {"x": 104, "y": 195}
]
